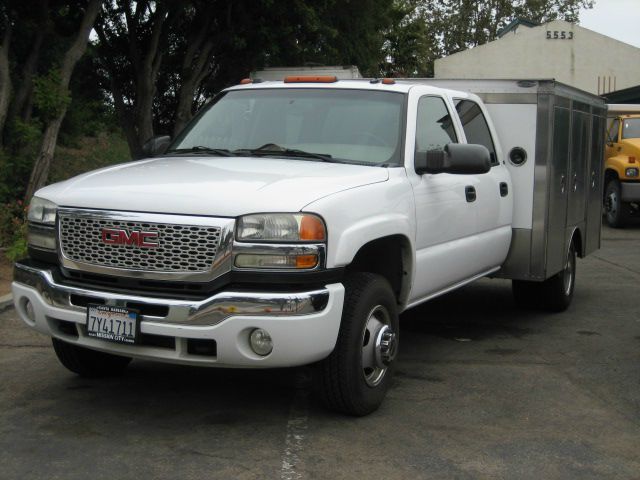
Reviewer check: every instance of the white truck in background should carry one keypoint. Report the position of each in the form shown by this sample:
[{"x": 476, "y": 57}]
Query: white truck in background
[{"x": 292, "y": 221}]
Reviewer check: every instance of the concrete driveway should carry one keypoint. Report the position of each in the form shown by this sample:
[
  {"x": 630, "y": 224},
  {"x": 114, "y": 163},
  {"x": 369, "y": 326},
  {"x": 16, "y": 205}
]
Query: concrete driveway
[{"x": 482, "y": 390}]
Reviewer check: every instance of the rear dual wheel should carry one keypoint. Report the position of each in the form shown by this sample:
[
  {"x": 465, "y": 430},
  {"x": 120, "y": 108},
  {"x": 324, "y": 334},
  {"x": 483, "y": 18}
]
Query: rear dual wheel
[{"x": 555, "y": 293}]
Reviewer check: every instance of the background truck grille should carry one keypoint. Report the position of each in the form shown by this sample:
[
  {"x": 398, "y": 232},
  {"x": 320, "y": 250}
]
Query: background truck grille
[{"x": 182, "y": 248}]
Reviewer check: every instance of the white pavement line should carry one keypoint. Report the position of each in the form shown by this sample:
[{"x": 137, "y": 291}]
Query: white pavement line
[{"x": 297, "y": 426}]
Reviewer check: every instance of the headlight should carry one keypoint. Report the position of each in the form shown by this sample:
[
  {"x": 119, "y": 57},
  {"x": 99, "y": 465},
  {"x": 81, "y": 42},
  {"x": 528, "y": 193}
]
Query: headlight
[
  {"x": 42, "y": 211},
  {"x": 280, "y": 227},
  {"x": 42, "y": 220},
  {"x": 280, "y": 241},
  {"x": 631, "y": 172}
]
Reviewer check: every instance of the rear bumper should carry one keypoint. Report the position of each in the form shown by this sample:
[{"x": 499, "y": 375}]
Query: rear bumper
[
  {"x": 303, "y": 325},
  {"x": 630, "y": 192}
]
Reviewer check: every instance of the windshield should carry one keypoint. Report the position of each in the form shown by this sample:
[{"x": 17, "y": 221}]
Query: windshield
[
  {"x": 631, "y": 128},
  {"x": 350, "y": 126}
]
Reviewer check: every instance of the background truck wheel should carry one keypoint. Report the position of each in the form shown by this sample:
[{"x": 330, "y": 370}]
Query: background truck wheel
[
  {"x": 554, "y": 294},
  {"x": 356, "y": 376},
  {"x": 614, "y": 208},
  {"x": 89, "y": 363}
]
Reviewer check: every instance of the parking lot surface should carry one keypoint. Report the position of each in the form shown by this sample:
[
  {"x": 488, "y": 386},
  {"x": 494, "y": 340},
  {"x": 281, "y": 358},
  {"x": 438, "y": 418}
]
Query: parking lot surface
[{"x": 482, "y": 390}]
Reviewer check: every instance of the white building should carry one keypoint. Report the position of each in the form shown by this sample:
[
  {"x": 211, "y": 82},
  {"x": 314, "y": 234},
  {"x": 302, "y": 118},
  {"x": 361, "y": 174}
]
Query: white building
[{"x": 559, "y": 50}]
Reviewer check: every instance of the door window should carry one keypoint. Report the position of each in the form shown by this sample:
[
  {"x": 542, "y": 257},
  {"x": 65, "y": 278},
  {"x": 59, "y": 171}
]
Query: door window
[
  {"x": 475, "y": 126},
  {"x": 613, "y": 131},
  {"x": 434, "y": 125}
]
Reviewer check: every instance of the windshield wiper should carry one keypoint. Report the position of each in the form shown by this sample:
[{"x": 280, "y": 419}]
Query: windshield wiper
[
  {"x": 273, "y": 149},
  {"x": 223, "y": 152}
]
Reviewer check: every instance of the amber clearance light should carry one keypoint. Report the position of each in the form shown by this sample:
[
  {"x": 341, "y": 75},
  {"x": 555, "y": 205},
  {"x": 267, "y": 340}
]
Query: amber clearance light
[{"x": 310, "y": 79}]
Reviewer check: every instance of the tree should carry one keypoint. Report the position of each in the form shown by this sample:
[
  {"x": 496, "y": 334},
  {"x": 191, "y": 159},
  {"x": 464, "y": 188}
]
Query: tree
[{"x": 60, "y": 79}]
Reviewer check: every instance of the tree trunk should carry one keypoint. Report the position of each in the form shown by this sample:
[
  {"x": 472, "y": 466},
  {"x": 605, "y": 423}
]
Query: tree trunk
[
  {"x": 5, "y": 79},
  {"x": 40, "y": 171},
  {"x": 146, "y": 77},
  {"x": 21, "y": 105}
]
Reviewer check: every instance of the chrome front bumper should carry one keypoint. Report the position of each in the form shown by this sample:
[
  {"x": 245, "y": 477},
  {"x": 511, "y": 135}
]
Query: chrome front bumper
[{"x": 304, "y": 325}]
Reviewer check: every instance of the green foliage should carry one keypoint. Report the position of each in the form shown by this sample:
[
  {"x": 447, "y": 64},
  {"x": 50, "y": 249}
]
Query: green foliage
[
  {"x": 102, "y": 150},
  {"x": 13, "y": 231},
  {"x": 49, "y": 98},
  {"x": 14, "y": 169},
  {"x": 18, "y": 248}
]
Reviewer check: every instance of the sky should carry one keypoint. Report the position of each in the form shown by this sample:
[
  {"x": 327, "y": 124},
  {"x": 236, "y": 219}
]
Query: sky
[{"x": 619, "y": 19}]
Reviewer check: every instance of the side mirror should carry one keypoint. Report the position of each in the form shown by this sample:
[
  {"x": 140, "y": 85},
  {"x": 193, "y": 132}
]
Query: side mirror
[
  {"x": 156, "y": 145},
  {"x": 457, "y": 158}
]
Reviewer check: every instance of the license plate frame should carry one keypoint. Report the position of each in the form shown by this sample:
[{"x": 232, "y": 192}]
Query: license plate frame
[{"x": 101, "y": 320}]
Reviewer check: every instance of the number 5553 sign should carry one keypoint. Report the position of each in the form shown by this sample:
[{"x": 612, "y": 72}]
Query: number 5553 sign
[{"x": 559, "y": 35}]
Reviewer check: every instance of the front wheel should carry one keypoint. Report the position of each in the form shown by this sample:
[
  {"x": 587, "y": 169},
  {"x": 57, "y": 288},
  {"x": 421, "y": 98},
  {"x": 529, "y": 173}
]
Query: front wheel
[
  {"x": 89, "y": 363},
  {"x": 615, "y": 209},
  {"x": 356, "y": 376}
]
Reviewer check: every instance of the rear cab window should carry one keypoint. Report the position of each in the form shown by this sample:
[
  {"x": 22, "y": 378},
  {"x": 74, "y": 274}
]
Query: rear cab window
[{"x": 475, "y": 126}]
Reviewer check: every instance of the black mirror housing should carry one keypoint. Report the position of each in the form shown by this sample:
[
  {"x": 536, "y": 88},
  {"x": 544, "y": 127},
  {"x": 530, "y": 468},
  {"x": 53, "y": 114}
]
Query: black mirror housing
[
  {"x": 457, "y": 158},
  {"x": 156, "y": 145}
]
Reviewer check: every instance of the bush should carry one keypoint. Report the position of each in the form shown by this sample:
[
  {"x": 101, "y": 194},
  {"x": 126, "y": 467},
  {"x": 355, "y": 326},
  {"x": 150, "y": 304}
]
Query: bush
[{"x": 13, "y": 229}]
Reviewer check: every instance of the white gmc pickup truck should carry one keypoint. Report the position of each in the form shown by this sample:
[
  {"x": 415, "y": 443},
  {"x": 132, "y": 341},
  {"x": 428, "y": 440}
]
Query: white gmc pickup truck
[{"x": 291, "y": 222}]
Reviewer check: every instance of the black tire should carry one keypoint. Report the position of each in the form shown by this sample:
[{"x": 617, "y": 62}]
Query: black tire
[
  {"x": 616, "y": 211},
  {"x": 554, "y": 294},
  {"x": 89, "y": 363},
  {"x": 346, "y": 385}
]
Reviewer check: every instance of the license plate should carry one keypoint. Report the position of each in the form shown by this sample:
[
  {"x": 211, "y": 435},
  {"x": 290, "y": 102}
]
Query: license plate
[{"x": 115, "y": 324}]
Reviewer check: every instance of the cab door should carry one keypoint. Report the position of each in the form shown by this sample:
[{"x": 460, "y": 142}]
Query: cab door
[
  {"x": 457, "y": 216},
  {"x": 444, "y": 214}
]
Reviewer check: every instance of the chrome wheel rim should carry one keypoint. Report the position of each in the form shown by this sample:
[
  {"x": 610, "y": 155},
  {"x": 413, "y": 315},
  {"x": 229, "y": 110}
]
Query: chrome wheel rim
[
  {"x": 379, "y": 345},
  {"x": 612, "y": 204},
  {"x": 568, "y": 272}
]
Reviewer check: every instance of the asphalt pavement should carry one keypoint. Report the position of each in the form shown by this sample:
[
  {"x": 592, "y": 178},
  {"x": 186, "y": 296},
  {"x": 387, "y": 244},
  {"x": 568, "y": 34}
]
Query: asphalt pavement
[{"x": 483, "y": 390}]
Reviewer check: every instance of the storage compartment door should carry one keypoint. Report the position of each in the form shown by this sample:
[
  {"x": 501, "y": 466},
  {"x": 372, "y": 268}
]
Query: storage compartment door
[
  {"x": 594, "y": 186},
  {"x": 580, "y": 130},
  {"x": 558, "y": 191}
]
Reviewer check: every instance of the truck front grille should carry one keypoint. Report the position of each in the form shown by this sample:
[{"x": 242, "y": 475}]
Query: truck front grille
[{"x": 180, "y": 248}]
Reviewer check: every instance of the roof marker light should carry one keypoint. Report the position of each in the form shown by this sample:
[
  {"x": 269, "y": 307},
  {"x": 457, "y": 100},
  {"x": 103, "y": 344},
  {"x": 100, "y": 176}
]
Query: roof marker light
[
  {"x": 246, "y": 81},
  {"x": 310, "y": 79},
  {"x": 388, "y": 81}
]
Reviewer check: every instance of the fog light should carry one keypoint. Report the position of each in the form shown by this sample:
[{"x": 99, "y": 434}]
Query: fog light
[
  {"x": 261, "y": 342},
  {"x": 28, "y": 308}
]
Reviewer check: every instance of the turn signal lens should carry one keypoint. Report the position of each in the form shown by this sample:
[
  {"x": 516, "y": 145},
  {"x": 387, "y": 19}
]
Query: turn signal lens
[
  {"x": 306, "y": 261},
  {"x": 250, "y": 260},
  {"x": 311, "y": 228}
]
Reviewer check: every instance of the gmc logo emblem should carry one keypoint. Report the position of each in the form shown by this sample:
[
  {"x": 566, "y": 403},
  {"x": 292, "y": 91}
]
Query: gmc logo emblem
[{"x": 116, "y": 236}]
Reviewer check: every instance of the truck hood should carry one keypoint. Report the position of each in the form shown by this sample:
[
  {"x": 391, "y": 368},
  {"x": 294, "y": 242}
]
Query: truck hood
[
  {"x": 214, "y": 186},
  {"x": 632, "y": 145}
]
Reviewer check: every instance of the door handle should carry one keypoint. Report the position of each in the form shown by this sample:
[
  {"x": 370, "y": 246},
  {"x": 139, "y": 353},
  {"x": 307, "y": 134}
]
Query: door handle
[
  {"x": 470, "y": 193},
  {"x": 504, "y": 189}
]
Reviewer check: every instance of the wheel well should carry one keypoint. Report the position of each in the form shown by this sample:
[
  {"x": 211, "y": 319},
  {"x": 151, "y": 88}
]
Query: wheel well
[
  {"x": 389, "y": 257},
  {"x": 577, "y": 240},
  {"x": 610, "y": 175}
]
